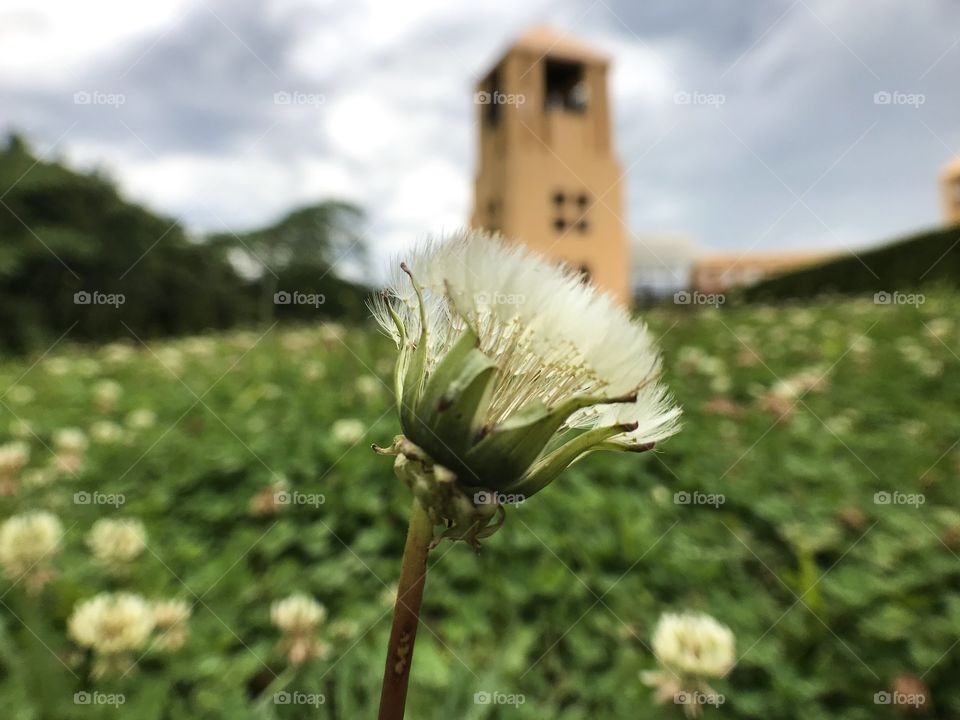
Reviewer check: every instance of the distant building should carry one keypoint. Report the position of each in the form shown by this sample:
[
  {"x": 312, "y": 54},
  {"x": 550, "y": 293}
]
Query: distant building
[
  {"x": 950, "y": 190},
  {"x": 661, "y": 264},
  {"x": 547, "y": 174},
  {"x": 719, "y": 273}
]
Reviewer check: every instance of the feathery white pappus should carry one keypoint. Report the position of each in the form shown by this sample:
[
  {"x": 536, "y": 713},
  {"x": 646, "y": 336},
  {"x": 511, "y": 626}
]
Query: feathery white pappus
[{"x": 552, "y": 336}]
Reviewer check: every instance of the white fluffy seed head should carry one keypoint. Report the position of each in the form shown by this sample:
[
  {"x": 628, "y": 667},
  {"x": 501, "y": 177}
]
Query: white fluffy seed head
[
  {"x": 27, "y": 540},
  {"x": 112, "y": 623},
  {"x": 297, "y": 614},
  {"x": 114, "y": 543},
  {"x": 551, "y": 336},
  {"x": 694, "y": 644}
]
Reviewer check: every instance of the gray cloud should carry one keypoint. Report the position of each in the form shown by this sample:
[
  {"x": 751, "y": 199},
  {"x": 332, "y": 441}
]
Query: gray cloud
[{"x": 201, "y": 135}]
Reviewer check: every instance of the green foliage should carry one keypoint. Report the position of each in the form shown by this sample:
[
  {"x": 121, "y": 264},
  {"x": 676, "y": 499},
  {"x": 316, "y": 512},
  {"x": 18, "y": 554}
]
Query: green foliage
[
  {"x": 831, "y": 593},
  {"x": 65, "y": 233},
  {"x": 906, "y": 265}
]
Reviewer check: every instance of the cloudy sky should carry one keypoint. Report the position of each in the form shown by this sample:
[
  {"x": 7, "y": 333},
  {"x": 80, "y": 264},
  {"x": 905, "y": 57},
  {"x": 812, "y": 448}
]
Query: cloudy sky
[{"x": 783, "y": 146}]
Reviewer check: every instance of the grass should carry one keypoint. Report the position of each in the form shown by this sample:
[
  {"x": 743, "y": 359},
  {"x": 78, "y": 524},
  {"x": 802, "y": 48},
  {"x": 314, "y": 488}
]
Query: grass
[{"x": 763, "y": 512}]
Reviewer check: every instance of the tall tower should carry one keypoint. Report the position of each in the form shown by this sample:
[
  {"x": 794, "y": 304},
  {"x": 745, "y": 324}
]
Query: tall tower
[
  {"x": 950, "y": 190},
  {"x": 547, "y": 175}
]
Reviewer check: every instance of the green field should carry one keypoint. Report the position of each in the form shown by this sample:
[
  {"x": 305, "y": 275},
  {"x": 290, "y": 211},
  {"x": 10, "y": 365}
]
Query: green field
[{"x": 795, "y": 418}]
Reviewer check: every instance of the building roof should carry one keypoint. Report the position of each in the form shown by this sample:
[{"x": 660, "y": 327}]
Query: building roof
[
  {"x": 764, "y": 259},
  {"x": 952, "y": 168},
  {"x": 544, "y": 40}
]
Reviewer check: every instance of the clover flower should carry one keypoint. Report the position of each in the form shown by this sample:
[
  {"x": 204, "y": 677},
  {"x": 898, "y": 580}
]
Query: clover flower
[
  {"x": 27, "y": 544},
  {"x": 510, "y": 369},
  {"x": 694, "y": 644},
  {"x": 70, "y": 445},
  {"x": 106, "y": 432},
  {"x": 113, "y": 625},
  {"x": 13, "y": 458},
  {"x": 170, "y": 619},
  {"x": 298, "y": 617},
  {"x": 297, "y": 613},
  {"x": 106, "y": 393},
  {"x": 348, "y": 431},
  {"x": 115, "y": 543},
  {"x": 70, "y": 441},
  {"x": 141, "y": 419},
  {"x": 691, "y": 647}
]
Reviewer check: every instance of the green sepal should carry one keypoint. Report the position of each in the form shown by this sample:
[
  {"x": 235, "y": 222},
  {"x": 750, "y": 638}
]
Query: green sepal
[
  {"x": 508, "y": 450},
  {"x": 548, "y": 468},
  {"x": 464, "y": 406},
  {"x": 404, "y": 351},
  {"x": 454, "y": 400},
  {"x": 449, "y": 370},
  {"x": 417, "y": 364}
]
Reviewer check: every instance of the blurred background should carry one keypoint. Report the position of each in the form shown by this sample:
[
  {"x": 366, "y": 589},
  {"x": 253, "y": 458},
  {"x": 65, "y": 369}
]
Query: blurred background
[{"x": 197, "y": 199}]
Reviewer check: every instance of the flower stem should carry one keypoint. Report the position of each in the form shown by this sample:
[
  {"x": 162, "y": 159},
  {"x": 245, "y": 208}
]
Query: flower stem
[{"x": 406, "y": 614}]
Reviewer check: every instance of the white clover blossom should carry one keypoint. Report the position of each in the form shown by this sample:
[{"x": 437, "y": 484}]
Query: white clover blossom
[
  {"x": 298, "y": 613},
  {"x": 501, "y": 353},
  {"x": 112, "y": 623},
  {"x": 170, "y": 619},
  {"x": 115, "y": 543},
  {"x": 71, "y": 441},
  {"x": 141, "y": 419},
  {"x": 106, "y": 431},
  {"x": 298, "y": 617},
  {"x": 348, "y": 431},
  {"x": 28, "y": 541},
  {"x": 694, "y": 644},
  {"x": 13, "y": 457},
  {"x": 106, "y": 393}
]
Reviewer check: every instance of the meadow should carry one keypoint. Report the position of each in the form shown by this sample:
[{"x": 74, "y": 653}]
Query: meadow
[{"x": 810, "y": 503}]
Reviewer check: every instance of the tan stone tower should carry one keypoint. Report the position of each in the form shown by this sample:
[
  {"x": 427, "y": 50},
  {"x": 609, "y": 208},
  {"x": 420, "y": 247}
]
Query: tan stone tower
[
  {"x": 950, "y": 189},
  {"x": 547, "y": 175}
]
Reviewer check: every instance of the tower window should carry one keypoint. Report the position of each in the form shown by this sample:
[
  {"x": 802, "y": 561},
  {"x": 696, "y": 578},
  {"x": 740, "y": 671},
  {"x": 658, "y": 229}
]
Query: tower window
[
  {"x": 487, "y": 96},
  {"x": 565, "y": 86},
  {"x": 570, "y": 211}
]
